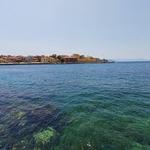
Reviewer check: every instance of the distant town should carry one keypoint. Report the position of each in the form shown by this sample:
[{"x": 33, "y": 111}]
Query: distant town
[{"x": 51, "y": 59}]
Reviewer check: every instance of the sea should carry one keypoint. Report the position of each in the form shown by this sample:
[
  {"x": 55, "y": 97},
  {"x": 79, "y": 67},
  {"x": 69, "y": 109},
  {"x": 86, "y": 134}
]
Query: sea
[{"x": 75, "y": 106}]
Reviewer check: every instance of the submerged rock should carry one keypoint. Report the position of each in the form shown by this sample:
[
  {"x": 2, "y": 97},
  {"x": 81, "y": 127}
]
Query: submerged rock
[{"x": 33, "y": 128}]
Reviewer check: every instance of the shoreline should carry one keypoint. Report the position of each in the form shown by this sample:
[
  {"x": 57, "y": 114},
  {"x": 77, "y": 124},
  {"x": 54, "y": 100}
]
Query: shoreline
[{"x": 1, "y": 64}]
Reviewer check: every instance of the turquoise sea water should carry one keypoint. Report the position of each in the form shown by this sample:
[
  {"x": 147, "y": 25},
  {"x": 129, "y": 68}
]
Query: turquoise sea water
[{"x": 75, "y": 107}]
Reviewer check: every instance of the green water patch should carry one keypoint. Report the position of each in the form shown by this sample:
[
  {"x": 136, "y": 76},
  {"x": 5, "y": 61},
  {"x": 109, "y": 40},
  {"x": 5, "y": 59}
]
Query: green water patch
[
  {"x": 102, "y": 127},
  {"x": 101, "y": 134}
]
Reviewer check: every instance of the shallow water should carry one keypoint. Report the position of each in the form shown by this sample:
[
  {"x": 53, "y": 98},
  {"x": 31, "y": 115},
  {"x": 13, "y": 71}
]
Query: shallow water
[{"x": 86, "y": 107}]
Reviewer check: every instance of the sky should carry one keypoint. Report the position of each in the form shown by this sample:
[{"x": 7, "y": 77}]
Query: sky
[{"x": 112, "y": 29}]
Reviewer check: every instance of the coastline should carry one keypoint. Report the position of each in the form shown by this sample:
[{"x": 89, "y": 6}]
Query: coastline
[
  {"x": 1, "y": 64},
  {"x": 49, "y": 59}
]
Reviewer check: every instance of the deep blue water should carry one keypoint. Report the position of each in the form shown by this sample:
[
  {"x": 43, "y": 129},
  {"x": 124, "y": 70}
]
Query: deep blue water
[{"x": 107, "y": 106}]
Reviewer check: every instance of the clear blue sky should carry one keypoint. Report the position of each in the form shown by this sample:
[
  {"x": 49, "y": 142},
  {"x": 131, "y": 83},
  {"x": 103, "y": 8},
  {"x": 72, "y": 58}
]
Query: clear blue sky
[{"x": 103, "y": 28}]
